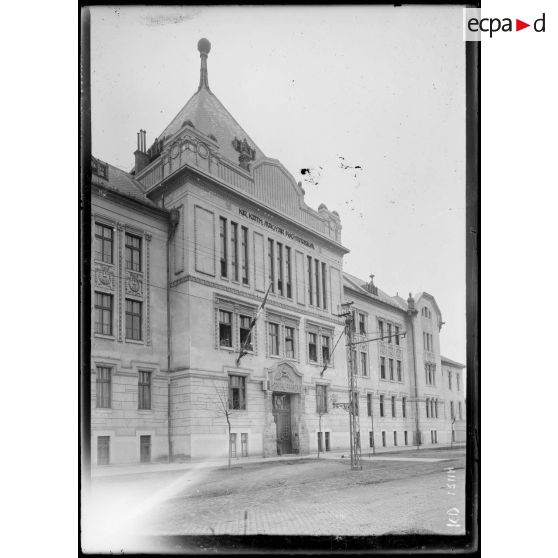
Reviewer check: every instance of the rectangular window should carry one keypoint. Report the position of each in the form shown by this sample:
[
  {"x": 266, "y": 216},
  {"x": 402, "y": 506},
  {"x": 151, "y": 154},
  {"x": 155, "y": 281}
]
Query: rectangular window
[
  {"x": 327, "y": 444},
  {"x": 274, "y": 339},
  {"x": 133, "y": 319},
  {"x": 133, "y": 252},
  {"x": 271, "y": 264},
  {"x": 234, "y": 250},
  {"x": 289, "y": 342},
  {"x": 312, "y": 347},
  {"x": 103, "y": 313},
  {"x": 232, "y": 442},
  {"x": 325, "y": 349},
  {"x": 432, "y": 436},
  {"x": 397, "y": 335},
  {"x": 383, "y": 368},
  {"x": 310, "y": 288},
  {"x": 244, "y": 254},
  {"x": 394, "y": 438},
  {"x": 458, "y": 381},
  {"x": 324, "y": 288},
  {"x": 427, "y": 408},
  {"x": 223, "y": 245},
  {"x": 389, "y": 332},
  {"x": 449, "y": 379},
  {"x": 391, "y": 369},
  {"x": 380, "y": 328},
  {"x": 393, "y": 405},
  {"x": 289, "y": 272},
  {"x": 428, "y": 372},
  {"x": 436, "y": 408},
  {"x": 362, "y": 324},
  {"x": 435, "y": 436},
  {"x": 381, "y": 405},
  {"x": 404, "y": 407},
  {"x": 371, "y": 439},
  {"x": 460, "y": 411},
  {"x": 399, "y": 373},
  {"x": 245, "y": 334},
  {"x": 280, "y": 268},
  {"x": 225, "y": 328},
  {"x": 244, "y": 444},
  {"x": 369, "y": 404},
  {"x": 103, "y": 387},
  {"x": 363, "y": 364},
  {"x": 103, "y": 243},
  {"x": 103, "y": 450},
  {"x": 406, "y": 438},
  {"x": 317, "y": 283},
  {"x": 237, "y": 392},
  {"x": 383, "y": 439},
  {"x": 144, "y": 390},
  {"x": 321, "y": 399},
  {"x": 145, "y": 449},
  {"x": 452, "y": 410},
  {"x": 320, "y": 441}
]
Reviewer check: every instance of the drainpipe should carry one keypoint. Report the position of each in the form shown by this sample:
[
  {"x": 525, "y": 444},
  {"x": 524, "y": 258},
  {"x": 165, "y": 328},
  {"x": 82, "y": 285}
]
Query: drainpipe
[
  {"x": 173, "y": 222},
  {"x": 412, "y": 313}
]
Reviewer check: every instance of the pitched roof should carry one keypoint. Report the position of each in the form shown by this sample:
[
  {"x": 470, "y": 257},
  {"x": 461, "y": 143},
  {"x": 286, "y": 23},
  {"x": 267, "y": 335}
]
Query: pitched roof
[
  {"x": 210, "y": 117},
  {"x": 452, "y": 362},
  {"x": 120, "y": 181},
  {"x": 360, "y": 286}
]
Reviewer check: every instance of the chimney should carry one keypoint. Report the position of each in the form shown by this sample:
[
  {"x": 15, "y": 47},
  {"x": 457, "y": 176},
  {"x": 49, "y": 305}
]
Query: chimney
[{"x": 140, "y": 154}]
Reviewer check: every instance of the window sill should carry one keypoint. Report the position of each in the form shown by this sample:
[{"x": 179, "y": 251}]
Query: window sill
[
  {"x": 101, "y": 262},
  {"x": 145, "y": 411},
  {"x": 229, "y": 349},
  {"x": 107, "y": 337},
  {"x": 135, "y": 341}
]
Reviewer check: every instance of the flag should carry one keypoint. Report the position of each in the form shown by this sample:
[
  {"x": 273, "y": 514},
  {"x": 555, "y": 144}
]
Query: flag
[{"x": 243, "y": 350}]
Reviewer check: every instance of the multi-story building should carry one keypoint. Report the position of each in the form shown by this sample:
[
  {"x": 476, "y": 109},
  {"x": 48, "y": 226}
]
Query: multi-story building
[
  {"x": 216, "y": 294},
  {"x": 453, "y": 377}
]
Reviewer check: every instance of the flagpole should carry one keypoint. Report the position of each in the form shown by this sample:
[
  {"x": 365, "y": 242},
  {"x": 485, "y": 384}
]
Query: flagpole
[{"x": 243, "y": 351}]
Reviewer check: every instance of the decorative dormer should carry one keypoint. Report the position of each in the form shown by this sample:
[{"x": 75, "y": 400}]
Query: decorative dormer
[
  {"x": 370, "y": 287},
  {"x": 247, "y": 154}
]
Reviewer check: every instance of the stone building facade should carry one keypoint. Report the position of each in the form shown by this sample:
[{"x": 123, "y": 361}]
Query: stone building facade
[{"x": 216, "y": 294}]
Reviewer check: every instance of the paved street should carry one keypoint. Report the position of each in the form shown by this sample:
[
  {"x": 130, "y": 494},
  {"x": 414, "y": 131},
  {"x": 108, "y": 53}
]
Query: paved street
[{"x": 394, "y": 493}]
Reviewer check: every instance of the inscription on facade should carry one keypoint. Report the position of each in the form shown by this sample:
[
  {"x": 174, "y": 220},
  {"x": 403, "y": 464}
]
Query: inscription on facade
[{"x": 275, "y": 228}]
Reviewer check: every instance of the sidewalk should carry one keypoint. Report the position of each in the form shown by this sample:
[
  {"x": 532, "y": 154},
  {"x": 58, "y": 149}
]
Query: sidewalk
[{"x": 146, "y": 468}]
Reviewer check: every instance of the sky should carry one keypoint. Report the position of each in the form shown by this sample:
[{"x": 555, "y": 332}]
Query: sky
[{"x": 326, "y": 89}]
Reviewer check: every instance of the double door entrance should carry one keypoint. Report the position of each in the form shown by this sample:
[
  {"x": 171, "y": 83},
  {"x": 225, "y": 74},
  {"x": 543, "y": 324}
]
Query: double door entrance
[{"x": 282, "y": 417}]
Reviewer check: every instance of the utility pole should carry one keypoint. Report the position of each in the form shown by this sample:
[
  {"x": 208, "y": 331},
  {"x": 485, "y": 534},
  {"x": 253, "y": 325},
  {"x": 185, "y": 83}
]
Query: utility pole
[{"x": 354, "y": 426}]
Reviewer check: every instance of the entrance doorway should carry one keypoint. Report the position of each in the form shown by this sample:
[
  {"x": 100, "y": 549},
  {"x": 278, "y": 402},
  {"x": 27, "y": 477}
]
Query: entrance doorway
[
  {"x": 282, "y": 417},
  {"x": 145, "y": 449}
]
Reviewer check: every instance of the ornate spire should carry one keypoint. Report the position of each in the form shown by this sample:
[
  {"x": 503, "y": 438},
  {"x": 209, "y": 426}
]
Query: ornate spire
[{"x": 204, "y": 46}]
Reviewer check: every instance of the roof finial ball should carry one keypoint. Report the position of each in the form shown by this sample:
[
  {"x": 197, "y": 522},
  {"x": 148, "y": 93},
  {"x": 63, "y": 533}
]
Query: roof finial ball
[{"x": 204, "y": 46}]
